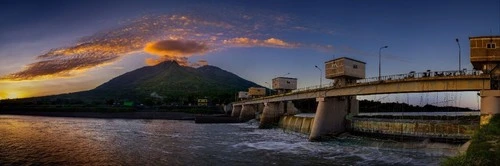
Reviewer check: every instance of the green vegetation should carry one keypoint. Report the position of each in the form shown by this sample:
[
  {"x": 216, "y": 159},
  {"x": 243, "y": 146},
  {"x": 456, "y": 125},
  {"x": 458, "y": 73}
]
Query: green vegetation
[{"x": 484, "y": 148}]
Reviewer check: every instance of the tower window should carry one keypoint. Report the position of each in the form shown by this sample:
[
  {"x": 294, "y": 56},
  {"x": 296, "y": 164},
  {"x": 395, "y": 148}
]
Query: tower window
[
  {"x": 355, "y": 66},
  {"x": 490, "y": 45}
]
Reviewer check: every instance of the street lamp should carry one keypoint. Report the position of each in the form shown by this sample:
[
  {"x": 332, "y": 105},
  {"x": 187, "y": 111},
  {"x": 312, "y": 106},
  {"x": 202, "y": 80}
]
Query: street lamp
[
  {"x": 379, "y": 57},
  {"x": 459, "y": 56},
  {"x": 320, "y": 75}
]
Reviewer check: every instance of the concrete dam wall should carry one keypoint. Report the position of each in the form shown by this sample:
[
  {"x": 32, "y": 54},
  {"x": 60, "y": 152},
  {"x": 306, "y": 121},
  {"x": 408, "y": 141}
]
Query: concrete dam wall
[
  {"x": 445, "y": 129},
  {"x": 301, "y": 123},
  {"x": 421, "y": 128}
]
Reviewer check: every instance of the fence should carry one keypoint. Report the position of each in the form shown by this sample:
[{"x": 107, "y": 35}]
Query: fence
[{"x": 399, "y": 77}]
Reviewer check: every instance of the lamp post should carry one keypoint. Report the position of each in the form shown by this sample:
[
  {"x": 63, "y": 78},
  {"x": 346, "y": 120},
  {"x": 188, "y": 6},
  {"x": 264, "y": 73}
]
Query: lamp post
[
  {"x": 459, "y": 56},
  {"x": 320, "y": 75},
  {"x": 379, "y": 57}
]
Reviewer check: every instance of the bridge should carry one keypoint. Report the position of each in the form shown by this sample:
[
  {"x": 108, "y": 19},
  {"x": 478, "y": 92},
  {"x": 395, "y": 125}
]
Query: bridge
[
  {"x": 402, "y": 83},
  {"x": 337, "y": 101}
]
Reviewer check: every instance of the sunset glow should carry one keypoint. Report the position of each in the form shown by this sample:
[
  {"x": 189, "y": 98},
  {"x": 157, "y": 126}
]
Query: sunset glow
[{"x": 254, "y": 40}]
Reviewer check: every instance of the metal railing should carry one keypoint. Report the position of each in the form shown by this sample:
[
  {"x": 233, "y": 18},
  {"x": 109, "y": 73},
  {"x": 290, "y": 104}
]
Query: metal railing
[{"x": 398, "y": 77}]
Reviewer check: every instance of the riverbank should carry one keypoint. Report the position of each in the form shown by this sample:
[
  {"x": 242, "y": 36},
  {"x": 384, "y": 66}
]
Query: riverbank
[
  {"x": 112, "y": 112},
  {"x": 109, "y": 115},
  {"x": 484, "y": 148}
]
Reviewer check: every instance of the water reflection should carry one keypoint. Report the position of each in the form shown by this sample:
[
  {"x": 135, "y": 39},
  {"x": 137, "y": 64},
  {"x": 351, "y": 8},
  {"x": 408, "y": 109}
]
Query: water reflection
[
  {"x": 28, "y": 140},
  {"x": 36, "y": 140}
]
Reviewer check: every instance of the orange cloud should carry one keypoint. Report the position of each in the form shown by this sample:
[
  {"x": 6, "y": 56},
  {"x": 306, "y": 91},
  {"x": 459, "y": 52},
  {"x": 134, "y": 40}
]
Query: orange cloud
[
  {"x": 271, "y": 42},
  {"x": 173, "y": 50}
]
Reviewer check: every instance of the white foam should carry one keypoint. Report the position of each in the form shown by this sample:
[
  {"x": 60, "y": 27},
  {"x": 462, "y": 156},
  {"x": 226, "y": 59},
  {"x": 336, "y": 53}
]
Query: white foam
[{"x": 273, "y": 145}]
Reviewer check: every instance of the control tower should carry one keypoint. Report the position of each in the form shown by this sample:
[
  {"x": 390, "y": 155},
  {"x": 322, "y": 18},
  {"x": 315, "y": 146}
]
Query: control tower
[
  {"x": 284, "y": 84},
  {"x": 485, "y": 56},
  {"x": 344, "y": 70},
  {"x": 485, "y": 53}
]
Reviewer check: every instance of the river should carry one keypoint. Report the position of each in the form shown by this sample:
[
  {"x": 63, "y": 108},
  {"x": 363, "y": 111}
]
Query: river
[{"x": 31, "y": 140}]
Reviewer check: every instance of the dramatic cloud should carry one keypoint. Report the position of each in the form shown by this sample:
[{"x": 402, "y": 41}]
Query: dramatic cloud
[
  {"x": 247, "y": 42},
  {"x": 62, "y": 67},
  {"x": 175, "y": 48},
  {"x": 169, "y": 37},
  {"x": 200, "y": 63}
]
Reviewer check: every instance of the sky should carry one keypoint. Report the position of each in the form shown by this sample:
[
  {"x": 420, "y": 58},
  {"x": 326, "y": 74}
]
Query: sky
[{"x": 53, "y": 47}]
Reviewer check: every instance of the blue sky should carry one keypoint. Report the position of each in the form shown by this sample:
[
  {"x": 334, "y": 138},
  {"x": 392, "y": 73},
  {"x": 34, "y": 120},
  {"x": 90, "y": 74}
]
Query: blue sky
[{"x": 235, "y": 36}]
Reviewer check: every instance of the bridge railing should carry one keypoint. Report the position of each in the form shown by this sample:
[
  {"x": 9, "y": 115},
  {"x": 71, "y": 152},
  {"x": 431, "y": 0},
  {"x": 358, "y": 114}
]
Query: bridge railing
[
  {"x": 426, "y": 74},
  {"x": 400, "y": 77}
]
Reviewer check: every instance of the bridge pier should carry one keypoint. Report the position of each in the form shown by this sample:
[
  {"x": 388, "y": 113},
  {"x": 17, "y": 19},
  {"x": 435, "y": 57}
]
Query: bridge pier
[
  {"x": 290, "y": 108},
  {"x": 490, "y": 105},
  {"x": 236, "y": 110},
  {"x": 247, "y": 112},
  {"x": 227, "y": 108},
  {"x": 260, "y": 110},
  {"x": 331, "y": 114},
  {"x": 270, "y": 115}
]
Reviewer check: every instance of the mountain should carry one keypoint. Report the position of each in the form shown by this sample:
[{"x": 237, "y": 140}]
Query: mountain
[{"x": 170, "y": 82}]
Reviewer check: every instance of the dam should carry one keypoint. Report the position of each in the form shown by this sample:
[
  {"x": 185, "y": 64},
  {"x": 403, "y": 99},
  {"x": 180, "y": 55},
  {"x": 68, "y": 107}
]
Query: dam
[{"x": 337, "y": 106}]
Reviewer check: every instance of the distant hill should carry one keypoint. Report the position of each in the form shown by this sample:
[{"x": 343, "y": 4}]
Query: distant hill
[{"x": 170, "y": 82}]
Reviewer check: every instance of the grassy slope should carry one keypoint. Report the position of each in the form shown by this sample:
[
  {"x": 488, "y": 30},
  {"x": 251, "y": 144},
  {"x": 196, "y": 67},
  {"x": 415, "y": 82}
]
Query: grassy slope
[{"x": 484, "y": 149}]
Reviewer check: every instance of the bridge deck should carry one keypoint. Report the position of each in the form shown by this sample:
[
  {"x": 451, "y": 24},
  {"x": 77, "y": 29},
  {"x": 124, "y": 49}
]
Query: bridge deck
[{"x": 404, "y": 83}]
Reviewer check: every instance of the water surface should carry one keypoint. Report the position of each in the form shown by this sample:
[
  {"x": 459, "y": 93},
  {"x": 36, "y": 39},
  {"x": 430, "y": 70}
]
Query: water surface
[{"x": 30, "y": 140}]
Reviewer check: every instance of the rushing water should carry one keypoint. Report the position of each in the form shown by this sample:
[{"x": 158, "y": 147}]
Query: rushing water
[{"x": 29, "y": 140}]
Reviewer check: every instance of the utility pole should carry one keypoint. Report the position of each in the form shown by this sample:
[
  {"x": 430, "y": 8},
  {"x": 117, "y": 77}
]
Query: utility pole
[
  {"x": 379, "y": 60},
  {"x": 320, "y": 75},
  {"x": 459, "y": 56}
]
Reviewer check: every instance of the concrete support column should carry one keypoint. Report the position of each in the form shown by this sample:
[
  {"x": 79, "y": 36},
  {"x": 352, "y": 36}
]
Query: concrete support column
[
  {"x": 236, "y": 110},
  {"x": 352, "y": 111},
  {"x": 260, "y": 110},
  {"x": 330, "y": 117},
  {"x": 270, "y": 115},
  {"x": 248, "y": 112},
  {"x": 290, "y": 108},
  {"x": 227, "y": 108},
  {"x": 490, "y": 105}
]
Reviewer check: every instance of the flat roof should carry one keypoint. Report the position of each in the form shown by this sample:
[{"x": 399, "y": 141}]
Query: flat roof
[
  {"x": 285, "y": 78},
  {"x": 256, "y": 87},
  {"x": 346, "y": 58},
  {"x": 477, "y": 37}
]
